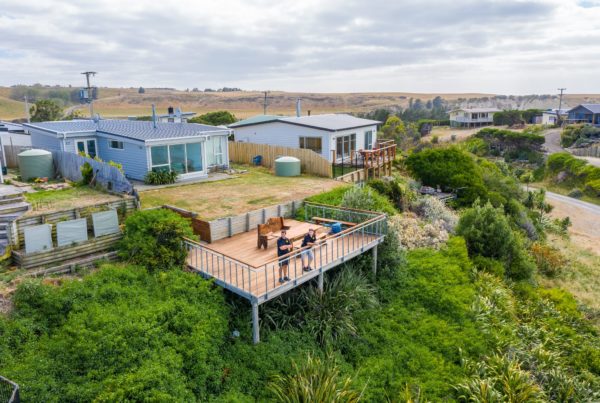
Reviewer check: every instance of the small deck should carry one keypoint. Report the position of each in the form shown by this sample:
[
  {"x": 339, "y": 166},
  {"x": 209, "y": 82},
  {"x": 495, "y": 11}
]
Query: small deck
[{"x": 237, "y": 264}]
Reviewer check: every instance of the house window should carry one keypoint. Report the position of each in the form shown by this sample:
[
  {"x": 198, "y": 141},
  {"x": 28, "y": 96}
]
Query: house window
[
  {"x": 369, "y": 140},
  {"x": 87, "y": 147},
  {"x": 312, "y": 143},
  {"x": 181, "y": 158},
  {"x": 115, "y": 145},
  {"x": 345, "y": 145},
  {"x": 215, "y": 150}
]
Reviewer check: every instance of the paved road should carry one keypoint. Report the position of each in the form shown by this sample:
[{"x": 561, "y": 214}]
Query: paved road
[
  {"x": 593, "y": 209},
  {"x": 552, "y": 145}
]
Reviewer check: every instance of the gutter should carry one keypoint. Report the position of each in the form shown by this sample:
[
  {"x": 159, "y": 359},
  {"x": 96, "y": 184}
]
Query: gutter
[{"x": 202, "y": 134}]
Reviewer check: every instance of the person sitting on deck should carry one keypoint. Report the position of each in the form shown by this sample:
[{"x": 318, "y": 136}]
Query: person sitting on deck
[
  {"x": 309, "y": 241},
  {"x": 284, "y": 246}
]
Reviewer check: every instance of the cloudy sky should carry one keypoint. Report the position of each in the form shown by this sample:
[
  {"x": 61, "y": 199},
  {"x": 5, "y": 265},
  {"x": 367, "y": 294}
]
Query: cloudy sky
[{"x": 506, "y": 46}]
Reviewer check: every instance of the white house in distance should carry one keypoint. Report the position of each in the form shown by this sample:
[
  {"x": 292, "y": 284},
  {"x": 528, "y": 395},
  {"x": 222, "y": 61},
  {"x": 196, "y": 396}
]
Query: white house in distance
[
  {"x": 334, "y": 136},
  {"x": 550, "y": 117},
  {"x": 472, "y": 117}
]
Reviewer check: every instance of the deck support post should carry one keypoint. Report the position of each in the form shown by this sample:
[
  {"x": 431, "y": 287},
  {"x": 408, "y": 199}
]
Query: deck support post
[
  {"x": 375, "y": 261},
  {"x": 255, "y": 328},
  {"x": 320, "y": 282}
]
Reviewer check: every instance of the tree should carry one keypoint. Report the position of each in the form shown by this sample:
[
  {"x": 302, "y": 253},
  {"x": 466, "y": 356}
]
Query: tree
[
  {"x": 141, "y": 90},
  {"x": 45, "y": 110},
  {"x": 217, "y": 118},
  {"x": 74, "y": 114},
  {"x": 154, "y": 239},
  {"x": 450, "y": 168}
]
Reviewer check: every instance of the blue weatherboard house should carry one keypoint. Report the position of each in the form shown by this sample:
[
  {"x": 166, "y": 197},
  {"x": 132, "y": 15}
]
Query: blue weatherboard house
[
  {"x": 585, "y": 113},
  {"x": 191, "y": 150}
]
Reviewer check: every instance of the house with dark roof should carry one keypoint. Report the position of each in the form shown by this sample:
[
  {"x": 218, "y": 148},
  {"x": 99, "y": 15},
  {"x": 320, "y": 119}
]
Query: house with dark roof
[
  {"x": 334, "y": 136},
  {"x": 472, "y": 117},
  {"x": 585, "y": 113},
  {"x": 191, "y": 150}
]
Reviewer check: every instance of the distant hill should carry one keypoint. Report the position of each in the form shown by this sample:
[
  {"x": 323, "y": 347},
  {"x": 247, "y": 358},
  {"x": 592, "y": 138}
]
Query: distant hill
[{"x": 123, "y": 102}]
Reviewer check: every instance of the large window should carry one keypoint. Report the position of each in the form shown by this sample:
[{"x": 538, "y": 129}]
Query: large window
[
  {"x": 369, "y": 140},
  {"x": 181, "y": 158},
  {"x": 312, "y": 143},
  {"x": 345, "y": 145}
]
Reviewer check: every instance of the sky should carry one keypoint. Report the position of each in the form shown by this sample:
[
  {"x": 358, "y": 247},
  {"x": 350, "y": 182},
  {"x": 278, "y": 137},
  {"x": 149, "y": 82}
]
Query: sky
[{"x": 503, "y": 47}]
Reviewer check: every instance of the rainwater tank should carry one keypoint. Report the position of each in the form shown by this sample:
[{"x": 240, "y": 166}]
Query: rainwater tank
[
  {"x": 36, "y": 164},
  {"x": 287, "y": 166}
]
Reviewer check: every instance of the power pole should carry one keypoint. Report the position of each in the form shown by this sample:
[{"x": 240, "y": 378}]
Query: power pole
[
  {"x": 89, "y": 90},
  {"x": 560, "y": 105},
  {"x": 27, "y": 110},
  {"x": 265, "y": 103}
]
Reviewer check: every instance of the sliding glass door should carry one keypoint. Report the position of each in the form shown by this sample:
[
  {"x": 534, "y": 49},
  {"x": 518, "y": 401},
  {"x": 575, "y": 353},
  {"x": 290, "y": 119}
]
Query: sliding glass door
[
  {"x": 180, "y": 158},
  {"x": 345, "y": 145}
]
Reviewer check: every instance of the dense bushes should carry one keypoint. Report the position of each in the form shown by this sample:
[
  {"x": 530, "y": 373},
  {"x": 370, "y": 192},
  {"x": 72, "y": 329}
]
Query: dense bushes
[
  {"x": 565, "y": 168},
  {"x": 119, "y": 334},
  {"x": 511, "y": 145},
  {"x": 160, "y": 177},
  {"x": 154, "y": 239},
  {"x": 579, "y": 135},
  {"x": 450, "y": 168},
  {"x": 366, "y": 199}
]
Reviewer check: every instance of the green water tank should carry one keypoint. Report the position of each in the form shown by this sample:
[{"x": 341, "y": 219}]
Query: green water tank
[
  {"x": 36, "y": 164},
  {"x": 287, "y": 166}
]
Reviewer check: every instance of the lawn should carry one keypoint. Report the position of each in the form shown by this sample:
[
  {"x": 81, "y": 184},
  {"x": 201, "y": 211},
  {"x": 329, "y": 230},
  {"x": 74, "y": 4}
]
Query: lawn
[
  {"x": 73, "y": 197},
  {"x": 253, "y": 190}
]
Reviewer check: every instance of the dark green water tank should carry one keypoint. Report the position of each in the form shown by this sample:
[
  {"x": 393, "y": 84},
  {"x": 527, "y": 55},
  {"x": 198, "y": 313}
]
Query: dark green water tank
[
  {"x": 287, "y": 166},
  {"x": 36, "y": 164}
]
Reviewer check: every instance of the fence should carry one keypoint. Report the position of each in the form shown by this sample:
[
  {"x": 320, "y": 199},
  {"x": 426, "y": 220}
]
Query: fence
[
  {"x": 11, "y": 153},
  {"x": 9, "y": 391},
  {"x": 261, "y": 283},
  {"x": 311, "y": 162},
  {"x": 592, "y": 151},
  {"x": 68, "y": 166},
  {"x": 211, "y": 231},
  {"x": 16, "y": 230}
]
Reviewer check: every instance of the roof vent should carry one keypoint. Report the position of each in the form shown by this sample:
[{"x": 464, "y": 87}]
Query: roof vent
[{"x": 299, "y": 107}]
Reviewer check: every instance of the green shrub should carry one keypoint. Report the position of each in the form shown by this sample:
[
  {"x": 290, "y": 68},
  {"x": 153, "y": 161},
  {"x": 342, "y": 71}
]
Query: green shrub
[
  {"x": 367, "y": 199},
  {"x": 489, "y": 265},
  {"x": 333, "y": 197},
  {"x": 576, "y": 193},
  {"x": 154, "y": 239},
  {"x": 160, "y": 177},
  {"x": 87, "y": 173}
]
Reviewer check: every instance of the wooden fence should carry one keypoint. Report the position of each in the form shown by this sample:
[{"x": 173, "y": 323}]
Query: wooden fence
[
  {"x": 11, "y": 153},
  {"x": 592, "y": 151},
  {"x": 111, "y": 178},
  {"x": 311, "y": 162},
  {"x": 211, "y": 231}
]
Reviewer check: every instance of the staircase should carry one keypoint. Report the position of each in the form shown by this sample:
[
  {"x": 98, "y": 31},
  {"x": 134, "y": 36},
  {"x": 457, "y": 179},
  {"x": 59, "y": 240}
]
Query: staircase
[{"x": 12, "y": 206}]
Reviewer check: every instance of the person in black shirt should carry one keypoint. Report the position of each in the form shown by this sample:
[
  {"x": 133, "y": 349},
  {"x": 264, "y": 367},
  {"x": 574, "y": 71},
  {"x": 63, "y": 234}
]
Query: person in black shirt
[
  {"x": 307, "y": 255},
  {"x": 284, "y": 246}
]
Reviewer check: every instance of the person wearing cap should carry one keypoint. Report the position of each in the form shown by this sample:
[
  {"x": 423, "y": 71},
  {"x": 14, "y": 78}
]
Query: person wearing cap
[
  {"x": 307, "y": 254},
  {"x": 284, "y": 246}
]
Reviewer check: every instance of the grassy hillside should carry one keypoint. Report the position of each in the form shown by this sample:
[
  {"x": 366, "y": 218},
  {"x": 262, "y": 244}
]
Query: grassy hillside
[{"x": 122, "y": 102}]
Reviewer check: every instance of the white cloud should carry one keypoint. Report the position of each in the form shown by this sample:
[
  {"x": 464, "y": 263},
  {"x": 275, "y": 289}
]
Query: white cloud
[{"x": 509, "y": 46}]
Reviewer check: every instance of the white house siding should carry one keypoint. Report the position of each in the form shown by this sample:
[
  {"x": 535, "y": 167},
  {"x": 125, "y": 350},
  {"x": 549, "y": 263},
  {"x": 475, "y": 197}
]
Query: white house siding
[
  {"x": 45, "y": 141},
  {"x": 132, "y": 156},
  {"x": 288, "y": 135}
]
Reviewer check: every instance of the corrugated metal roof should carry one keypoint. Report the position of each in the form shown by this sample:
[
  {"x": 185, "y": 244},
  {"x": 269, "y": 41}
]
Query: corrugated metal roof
[
  {"x": 329, "y": 122},
  {"x": 256, "y": 119},
  {"x": 594, "y": 108},
  {"x": 133, "y": 129}
]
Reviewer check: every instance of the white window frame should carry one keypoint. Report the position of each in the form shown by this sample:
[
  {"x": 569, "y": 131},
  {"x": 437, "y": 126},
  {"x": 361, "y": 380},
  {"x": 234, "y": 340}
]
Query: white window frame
[
  {"x": 85, "y": 145},
  {"x": 168, "y": 165},
  {"x": 369, "y": 144},
  {"x": 110, "y": 145}
]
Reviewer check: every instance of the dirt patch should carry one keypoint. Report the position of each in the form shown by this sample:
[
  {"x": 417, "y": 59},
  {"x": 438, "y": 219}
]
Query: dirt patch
[
  {"x": 585, "y": 229},
  {"x": 46, "y": 201}
]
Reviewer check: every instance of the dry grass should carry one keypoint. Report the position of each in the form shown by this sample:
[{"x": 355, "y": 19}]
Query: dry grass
[
  {"x": 582, "y": 276},
  {"x": 253, "y": 190},
  {"x": 45, "y": 201}
]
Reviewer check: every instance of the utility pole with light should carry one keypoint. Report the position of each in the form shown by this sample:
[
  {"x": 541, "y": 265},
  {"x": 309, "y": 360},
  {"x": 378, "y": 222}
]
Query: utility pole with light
[
  {"x": 90, "y": 96},
  {"x": 560, "y": 105}
]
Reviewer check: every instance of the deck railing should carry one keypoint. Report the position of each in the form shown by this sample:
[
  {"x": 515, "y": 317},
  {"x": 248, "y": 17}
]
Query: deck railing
[
  {"x": 9, "y": 391},
  {"x": 263, "y": 282}
]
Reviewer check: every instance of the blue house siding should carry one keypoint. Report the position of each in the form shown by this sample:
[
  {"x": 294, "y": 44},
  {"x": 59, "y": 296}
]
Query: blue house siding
[
  {"x": 133, "y": 157},
  {"x": 45, "y": 141}
]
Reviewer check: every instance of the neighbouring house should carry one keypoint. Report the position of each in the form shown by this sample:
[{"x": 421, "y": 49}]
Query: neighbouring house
[
  {"x": 191, "y": 150},
  {"x": 550, "y": 117},
  {"x": 585, "y": 113},
  {"x": 175, "y": 116},
  {"x": 333, "y": 136},
  {"x": 472, "y": 117}
]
